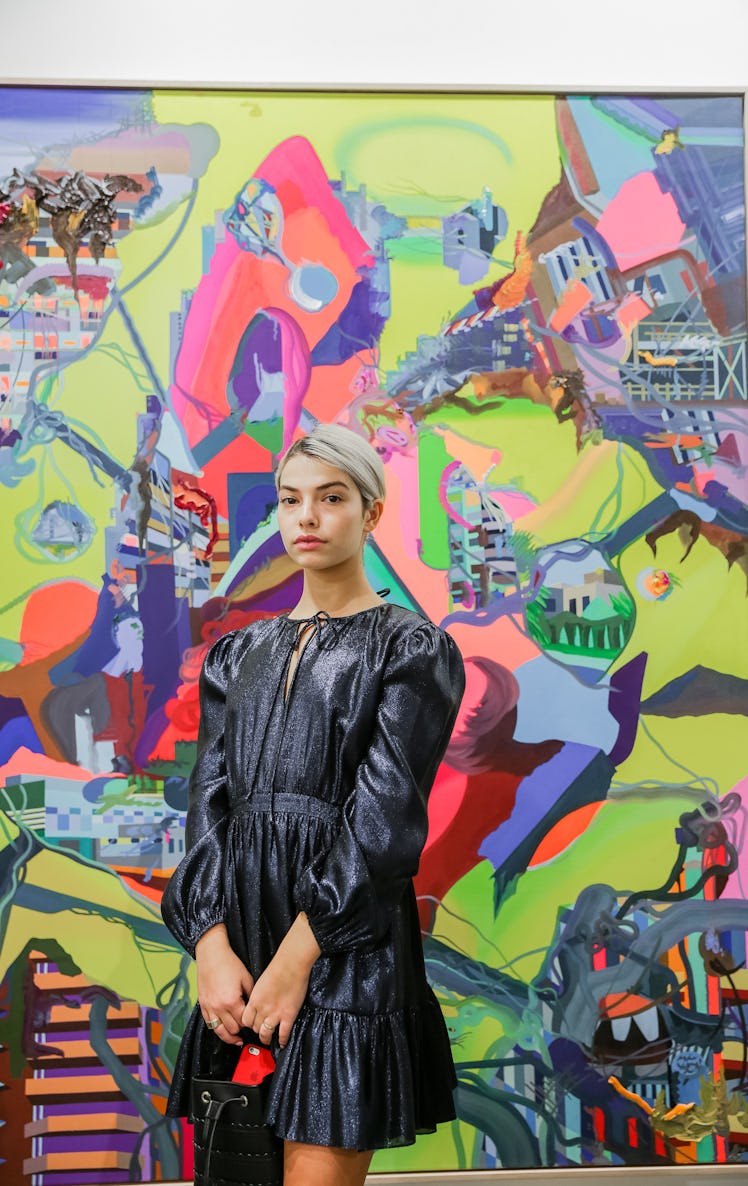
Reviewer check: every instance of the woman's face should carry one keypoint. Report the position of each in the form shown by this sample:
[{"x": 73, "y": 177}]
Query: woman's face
[{"x": 321, "y": 516}]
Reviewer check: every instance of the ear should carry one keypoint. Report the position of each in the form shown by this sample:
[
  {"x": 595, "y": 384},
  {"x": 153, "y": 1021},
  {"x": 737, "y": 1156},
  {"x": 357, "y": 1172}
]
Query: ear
[{"x": 373, "y": 514}]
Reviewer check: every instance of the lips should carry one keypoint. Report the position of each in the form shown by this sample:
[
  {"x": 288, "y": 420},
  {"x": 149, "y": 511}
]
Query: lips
[{"x": 307, "y": 539}]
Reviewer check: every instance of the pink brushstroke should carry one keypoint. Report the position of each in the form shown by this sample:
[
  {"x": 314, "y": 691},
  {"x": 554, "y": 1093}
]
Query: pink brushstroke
[
  {"x": 641, "y": 223},
  {"x": 737, "y": 883}
]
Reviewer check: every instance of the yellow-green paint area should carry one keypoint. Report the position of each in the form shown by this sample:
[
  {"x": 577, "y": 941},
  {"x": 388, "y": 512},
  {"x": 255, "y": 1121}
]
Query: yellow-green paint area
[
  {"x": 430, "y": 161},
  {"x": 630, "y": 842},
  {"x": 419, "y": 155},
  {"x": 90, "y": 913},
  {"x": 540, "y": 457}
]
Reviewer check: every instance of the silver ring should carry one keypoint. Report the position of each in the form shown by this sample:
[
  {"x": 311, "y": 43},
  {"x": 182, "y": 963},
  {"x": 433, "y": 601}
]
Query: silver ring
[
  {"x": 214, "y": 1024},
  {"x": 267, "y": 1026}
]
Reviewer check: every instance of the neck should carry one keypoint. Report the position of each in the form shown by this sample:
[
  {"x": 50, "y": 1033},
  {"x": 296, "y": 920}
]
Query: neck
[{"x": 335, "y": 592}]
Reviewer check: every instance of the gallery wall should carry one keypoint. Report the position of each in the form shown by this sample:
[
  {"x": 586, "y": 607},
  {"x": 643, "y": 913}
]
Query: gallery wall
[{"x": 420, "y": 42}]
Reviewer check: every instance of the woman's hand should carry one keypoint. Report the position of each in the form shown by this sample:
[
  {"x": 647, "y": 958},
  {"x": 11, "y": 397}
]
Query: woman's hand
[
  {"x": 278, "y": 995},
  {"x": 223, "y": 984}
]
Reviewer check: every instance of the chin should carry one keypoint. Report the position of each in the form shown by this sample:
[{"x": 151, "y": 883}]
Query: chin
[{"x": 312, "y": 560}]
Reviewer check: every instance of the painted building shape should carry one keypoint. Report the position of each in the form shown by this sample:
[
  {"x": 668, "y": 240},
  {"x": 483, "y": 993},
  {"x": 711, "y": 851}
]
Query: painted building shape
[
  {"x": 470, "y": 235},
  {"x": 482, "y": 564},
  {"x": 84, "y": 1129}
]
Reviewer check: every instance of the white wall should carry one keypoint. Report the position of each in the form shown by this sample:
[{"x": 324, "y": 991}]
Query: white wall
[{"x": 493, "y": 43}]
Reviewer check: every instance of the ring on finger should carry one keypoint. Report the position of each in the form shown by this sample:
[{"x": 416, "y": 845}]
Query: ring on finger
[
  {"x": 214, "y": 1023},
  {"x": 267, "y": 1026}
]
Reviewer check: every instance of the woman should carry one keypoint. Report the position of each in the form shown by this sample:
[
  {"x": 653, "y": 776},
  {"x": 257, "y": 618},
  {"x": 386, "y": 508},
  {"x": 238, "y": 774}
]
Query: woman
[{"x": 321, "y": 733}]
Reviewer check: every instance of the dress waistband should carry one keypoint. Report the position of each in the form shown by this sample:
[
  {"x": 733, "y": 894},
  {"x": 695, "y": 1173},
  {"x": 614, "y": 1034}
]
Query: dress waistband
[{"x": 285, "y": 802}]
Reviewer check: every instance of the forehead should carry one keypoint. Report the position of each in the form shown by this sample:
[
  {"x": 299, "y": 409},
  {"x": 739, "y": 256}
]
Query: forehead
[{"x": 302, "y": 472}]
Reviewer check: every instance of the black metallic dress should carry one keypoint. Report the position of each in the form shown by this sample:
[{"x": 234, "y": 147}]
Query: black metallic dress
[{"x": 316, "y": 801}]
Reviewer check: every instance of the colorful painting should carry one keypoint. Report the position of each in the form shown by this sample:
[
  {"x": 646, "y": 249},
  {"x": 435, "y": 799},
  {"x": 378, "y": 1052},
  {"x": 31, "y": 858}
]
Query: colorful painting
[{"x": 534, "y": 306}]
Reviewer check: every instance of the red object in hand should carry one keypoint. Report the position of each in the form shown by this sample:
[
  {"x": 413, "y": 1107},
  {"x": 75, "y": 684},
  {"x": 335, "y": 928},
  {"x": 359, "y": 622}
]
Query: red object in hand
[{"x": 255, "y": 1064}]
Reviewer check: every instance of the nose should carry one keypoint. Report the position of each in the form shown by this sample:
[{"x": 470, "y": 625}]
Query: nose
[{"x": 307, "y": 512}]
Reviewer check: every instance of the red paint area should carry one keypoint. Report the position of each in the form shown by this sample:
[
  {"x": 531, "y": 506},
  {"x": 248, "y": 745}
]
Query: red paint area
[
  {"x": 598, "y": 1119},
  {"x": 465, "y": 808},
  {"x": 128, "y": 704},
  {"x": 188, "y": 496},
  {"x": 188, "y": 1148},
  {"x": 183, "y": 710},
  {"x": 146, "y": 891},
  {"x": 95, "y": 286},
  {"x": 239, "y": 455},
  {"x": 476, "y": 788},
  {"x": 481, "y": 802}
]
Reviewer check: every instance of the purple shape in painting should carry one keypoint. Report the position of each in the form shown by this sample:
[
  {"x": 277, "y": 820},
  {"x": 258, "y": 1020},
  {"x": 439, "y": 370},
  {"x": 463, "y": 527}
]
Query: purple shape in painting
[{"x": 624, "y": 702}]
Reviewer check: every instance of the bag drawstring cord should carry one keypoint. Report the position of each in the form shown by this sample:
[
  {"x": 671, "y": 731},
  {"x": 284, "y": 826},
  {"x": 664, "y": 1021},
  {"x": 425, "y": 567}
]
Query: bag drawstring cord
[{"x": 213, "y": 1115}]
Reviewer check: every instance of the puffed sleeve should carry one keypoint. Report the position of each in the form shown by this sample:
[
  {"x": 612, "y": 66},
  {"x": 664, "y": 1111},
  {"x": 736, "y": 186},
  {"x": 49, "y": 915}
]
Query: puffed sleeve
[
  {"x": 193, "y": 899},
  {"x": 349, "y": 893}
]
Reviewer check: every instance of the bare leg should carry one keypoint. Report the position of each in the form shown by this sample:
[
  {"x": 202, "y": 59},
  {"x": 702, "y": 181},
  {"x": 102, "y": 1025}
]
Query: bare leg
[{"x": 318, "y": 1165}]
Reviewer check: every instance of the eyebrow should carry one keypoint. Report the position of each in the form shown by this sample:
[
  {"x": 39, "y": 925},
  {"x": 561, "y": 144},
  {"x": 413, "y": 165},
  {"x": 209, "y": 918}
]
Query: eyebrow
[{"x": 324, "y": 486}]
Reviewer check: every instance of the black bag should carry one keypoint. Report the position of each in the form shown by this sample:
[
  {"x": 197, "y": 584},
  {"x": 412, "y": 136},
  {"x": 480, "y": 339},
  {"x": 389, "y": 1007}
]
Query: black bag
[{"x": 233, "y": 1145}]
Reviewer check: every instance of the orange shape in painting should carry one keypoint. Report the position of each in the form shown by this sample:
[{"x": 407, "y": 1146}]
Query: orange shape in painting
[
  {"x": 623, "y": 1004},
  {"x": 55, "y": 615},
  {"x": 25, "y": 762},
  {"x": 564, "y": 833},
  {"x": 641, "y": 223},
  {"x": 330, "y": 387},
  {"x": 576, "y": 296}
]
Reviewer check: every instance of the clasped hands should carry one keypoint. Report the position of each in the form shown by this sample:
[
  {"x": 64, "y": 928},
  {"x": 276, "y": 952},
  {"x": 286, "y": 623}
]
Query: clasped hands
[{"x": 231, "y": 1000}]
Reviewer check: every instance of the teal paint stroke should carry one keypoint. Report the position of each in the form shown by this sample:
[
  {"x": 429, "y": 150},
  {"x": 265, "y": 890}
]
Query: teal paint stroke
[{"x": 381, "y": 575}]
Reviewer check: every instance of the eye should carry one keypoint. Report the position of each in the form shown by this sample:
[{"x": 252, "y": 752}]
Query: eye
[
  {"x": 333, "y": 498},
  {"x": 287, "y": 500}
]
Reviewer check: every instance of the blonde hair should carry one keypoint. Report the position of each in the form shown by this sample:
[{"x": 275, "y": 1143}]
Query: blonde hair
[{"x": 346, "y": 450}]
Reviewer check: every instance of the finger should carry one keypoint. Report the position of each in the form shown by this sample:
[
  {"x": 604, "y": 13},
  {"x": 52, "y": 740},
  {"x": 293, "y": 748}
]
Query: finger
[
  {"x": 249, "y": 1018},
  {"x": 284, "y": 1033},
  {"x": 230, "y": 1024},
  {"x": 229, "y": 1038},
  {"x": 266, "y": 1031}
]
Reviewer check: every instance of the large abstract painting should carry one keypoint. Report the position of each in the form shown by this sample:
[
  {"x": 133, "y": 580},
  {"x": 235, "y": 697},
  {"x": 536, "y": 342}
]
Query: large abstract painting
[{"x": 534, "y": 307}]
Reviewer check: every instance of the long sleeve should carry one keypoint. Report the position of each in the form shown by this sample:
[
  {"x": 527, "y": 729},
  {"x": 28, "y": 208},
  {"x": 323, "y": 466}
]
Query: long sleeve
[
  {"x": 193, "y": 899},
  {"x": 349, "y": 893}
]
